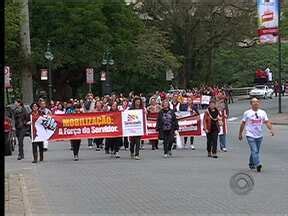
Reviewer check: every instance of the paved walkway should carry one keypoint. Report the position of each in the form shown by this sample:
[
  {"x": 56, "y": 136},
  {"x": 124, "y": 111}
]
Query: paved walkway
[
  {"x": 280, "y": 119},
  {"x": 187, "y": 184}
]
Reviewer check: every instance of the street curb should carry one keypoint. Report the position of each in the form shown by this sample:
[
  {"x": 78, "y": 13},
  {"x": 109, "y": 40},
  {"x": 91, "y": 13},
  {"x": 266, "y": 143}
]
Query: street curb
[
  {"x": 279, "y": 123},
  {"x": 27, "y": 205}
]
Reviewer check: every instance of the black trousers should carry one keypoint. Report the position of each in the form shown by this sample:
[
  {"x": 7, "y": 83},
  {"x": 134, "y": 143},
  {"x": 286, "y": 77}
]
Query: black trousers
[
  {"x": 20, "y": 134},
  {"x": 35, "y": 146},
  {"x": 98, "y": 142},
  {"x": 212, "y": 142},
  {"x": 135, "y": 145},
  {"x": 168, "y": 138},
  {"x": 154, "y": 144},
  {"x": 126, "y": 142},
  {"x": 90, "y": 142},
  {"x": 113, "y": 144},
  {"x": 76, "y": 146},
  {"x": 191, "y": 140}
]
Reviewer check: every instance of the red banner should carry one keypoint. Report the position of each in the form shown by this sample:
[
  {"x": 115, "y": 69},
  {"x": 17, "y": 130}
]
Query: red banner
[{"x": 188, "y": 125}]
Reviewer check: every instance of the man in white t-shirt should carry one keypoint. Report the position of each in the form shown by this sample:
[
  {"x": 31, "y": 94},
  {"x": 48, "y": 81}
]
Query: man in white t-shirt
[{"x": 253, "y": 120}]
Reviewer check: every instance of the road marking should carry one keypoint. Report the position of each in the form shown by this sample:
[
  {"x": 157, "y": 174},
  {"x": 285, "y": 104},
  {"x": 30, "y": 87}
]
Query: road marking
[{"x": 232, "y": 119}]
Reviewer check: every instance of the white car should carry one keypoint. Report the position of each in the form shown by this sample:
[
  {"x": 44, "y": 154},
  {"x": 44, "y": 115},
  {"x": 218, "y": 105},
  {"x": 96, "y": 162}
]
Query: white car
[{"x": 262, "y": 91}]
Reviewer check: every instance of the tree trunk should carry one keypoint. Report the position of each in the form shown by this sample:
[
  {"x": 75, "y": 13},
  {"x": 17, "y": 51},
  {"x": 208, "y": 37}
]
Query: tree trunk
[{"x": 27, "y": 81}]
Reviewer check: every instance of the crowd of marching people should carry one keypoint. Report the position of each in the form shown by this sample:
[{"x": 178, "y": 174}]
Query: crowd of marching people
[{"x": 163, "y": 103}]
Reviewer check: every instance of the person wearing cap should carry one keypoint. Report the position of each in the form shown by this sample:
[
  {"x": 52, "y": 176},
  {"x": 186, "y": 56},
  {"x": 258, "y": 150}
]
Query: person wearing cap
[
  {"x": 211, "y": 128},
  {"x": 253, "y": 120}
]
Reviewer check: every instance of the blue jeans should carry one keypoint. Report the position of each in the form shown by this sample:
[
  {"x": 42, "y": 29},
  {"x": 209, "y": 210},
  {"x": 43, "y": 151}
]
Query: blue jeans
[
  {"x": 254, "y": 144},
  {"x": 222, "y": 140}
]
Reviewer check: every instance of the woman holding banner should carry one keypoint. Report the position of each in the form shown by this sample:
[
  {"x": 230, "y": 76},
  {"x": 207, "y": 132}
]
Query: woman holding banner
[
  {"x": 152, "y": 109},
  {"x": 188, "y": 106},
  {"x": 113, "y": 144},
  {"x": 76, "y": 143},
  {"x": 135, "y": 140},
  {"x": 99, "y": 141},
  {"x": 122, "y": 108},
  {"x": 211, "y": 128},
  {"x": 35, "y": 114}
]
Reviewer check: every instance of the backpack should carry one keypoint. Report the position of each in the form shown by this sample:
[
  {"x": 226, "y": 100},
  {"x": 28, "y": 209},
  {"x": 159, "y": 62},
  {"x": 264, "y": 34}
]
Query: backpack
[{"x": 167, "y": 121}]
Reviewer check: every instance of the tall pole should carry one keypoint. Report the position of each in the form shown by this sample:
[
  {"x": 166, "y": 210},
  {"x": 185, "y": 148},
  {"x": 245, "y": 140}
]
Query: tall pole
[
  {"x": 279, "y": 59},
  {"x": 50, "y": 80}
]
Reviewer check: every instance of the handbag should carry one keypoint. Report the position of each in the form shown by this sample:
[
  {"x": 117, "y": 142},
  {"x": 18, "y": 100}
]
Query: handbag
[{"x": 179, "y": 143}]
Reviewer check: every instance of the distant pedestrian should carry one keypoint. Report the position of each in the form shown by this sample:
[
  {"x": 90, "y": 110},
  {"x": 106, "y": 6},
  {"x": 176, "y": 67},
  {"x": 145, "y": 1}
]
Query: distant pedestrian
[
  {"x": 253, "y": 120},
  {"x": 211, "y": 128},
  {"x": 167, "y": 124}
]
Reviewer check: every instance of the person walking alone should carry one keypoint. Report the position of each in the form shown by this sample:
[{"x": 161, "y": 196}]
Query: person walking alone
[
  {"x": 167, "y": 124},
  {"x": 21, "y": 118},
  {"x": 253, "y": 120}
]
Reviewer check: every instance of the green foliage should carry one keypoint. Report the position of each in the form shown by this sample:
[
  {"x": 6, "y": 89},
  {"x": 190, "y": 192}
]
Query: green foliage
[
  {"x": 238, "y": 66},
  {"x": 13, "y": 54},
  {"x": 80, "y": 33}
]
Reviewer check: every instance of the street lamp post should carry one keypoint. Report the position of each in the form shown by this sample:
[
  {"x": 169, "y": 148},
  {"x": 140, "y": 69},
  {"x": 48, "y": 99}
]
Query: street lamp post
[
  {"x": 49, "y": 56},
  {"x": 107, "y": 60}
]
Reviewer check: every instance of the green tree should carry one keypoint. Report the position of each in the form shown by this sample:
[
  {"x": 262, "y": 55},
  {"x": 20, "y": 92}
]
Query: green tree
[{"x": 13, "y": 54}]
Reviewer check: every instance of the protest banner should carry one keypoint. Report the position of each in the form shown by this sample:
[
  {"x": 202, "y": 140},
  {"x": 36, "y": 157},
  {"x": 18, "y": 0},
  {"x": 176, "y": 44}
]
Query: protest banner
[
  {"x": 87, "y": 125},
  {"x": 188, "y": 125}
]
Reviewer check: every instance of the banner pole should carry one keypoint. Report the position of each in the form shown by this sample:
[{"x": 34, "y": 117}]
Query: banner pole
[{"x": 279, "y": 58}]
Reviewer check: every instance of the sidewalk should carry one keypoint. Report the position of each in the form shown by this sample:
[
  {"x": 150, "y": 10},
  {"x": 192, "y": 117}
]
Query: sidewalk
[
  {"x": 279, "y": 119},
  {"x": 14, "y": 200}
]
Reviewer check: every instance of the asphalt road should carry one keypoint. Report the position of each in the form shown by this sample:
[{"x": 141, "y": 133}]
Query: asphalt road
[
  {"x": 270, "y": 105},
  {"x": 189, "y": 183}
]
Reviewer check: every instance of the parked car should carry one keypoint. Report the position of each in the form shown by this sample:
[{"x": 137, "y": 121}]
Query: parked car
[
  {"x": 9, "y": 135},
  {"x": 261, "y": 91}
]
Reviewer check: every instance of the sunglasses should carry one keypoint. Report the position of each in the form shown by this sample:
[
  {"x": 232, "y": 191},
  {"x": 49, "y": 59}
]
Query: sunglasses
[{"x": 256, "y": 115}]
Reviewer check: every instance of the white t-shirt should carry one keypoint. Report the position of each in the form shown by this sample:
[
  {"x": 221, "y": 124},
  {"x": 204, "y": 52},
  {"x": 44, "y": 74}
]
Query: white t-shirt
[{"x": 254, "y": 122}]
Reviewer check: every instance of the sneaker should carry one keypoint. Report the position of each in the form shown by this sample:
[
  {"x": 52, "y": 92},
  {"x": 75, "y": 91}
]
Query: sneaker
[
  {"x": 165, "y": 156},
  {"x": 97, "y": 149},
  {"x": 224, "y": 150},
  {"x": 34, "y": 161},
  {"x": 76, "y": 158},
  {"x": 192, "y": 147},
  {"x": 117, "y": 155},
  {"x": 170, "y": 153},
  {"x": 209, "y": 155},
  {"x": 137, "y": 157},
  {"x": 259, "y": 167},
  {"x": 46, "y": 149},
  {"x": 215, "y": 156},
  {"x": 19, "y": 157},
  {"x": 90, "y": 147}
]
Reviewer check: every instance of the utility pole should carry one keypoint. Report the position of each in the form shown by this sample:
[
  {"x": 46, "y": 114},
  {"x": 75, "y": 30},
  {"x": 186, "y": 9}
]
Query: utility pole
[{"x": 279, "y": 60}]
